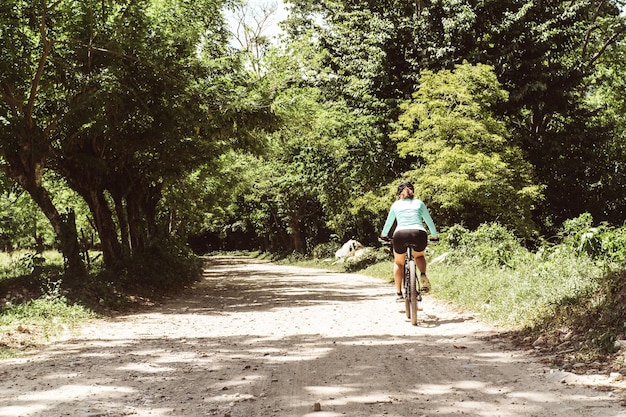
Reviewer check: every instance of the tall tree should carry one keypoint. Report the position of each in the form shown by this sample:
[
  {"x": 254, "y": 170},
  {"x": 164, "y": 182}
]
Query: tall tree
[
  {"x": 466, "y": 168},
  {"x": 30, "y": 108},
  {"x": 542, "y": 53},
  {"x": 122, "y": 98}
]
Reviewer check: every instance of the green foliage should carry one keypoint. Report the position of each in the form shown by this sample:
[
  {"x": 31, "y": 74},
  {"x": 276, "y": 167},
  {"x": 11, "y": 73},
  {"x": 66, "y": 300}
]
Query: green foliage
[
  {"x": 575, "y": 284},
  {"x": 559, "y": 124},
  {"x": 613, "y": 247},
  {"x": 29, "y": 263},
  {"x": 39, "y": 265},
  {"x": 517, "y": 296},
  {"x": 602, "y": 243},
  {"x": 455, "y": 235},
  {"x": 36, "y": 320},
  {"x": 368, "y": 256},
  {"x": 490, "y": 245},
  {"x": 302, "y": 185},
  {"x": 164, "y": 267},
  {"x": 126, "y": 101},
  {"x": 51, "y": 311},
  {"x": 325, "y": 250},
  {"x": 465, "y": 166}
]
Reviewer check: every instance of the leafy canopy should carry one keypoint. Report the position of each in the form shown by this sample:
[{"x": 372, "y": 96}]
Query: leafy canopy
[{"x": 465, "y": 164}]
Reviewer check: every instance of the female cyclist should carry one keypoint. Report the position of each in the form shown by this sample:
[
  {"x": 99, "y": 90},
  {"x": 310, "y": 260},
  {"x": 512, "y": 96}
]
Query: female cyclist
[{"x": 409, "y": 213}]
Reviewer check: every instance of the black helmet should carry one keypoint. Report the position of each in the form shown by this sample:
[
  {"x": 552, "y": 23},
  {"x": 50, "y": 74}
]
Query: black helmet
[{"x": 405, "y": 184}]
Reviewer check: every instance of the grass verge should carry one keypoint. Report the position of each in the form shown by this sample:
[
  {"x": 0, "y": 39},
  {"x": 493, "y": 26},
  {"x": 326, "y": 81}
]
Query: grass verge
[
  {"x": 36, "y": 321},
  {"x": 38, "y": 302},
  {"x": 556, "y": 301}
]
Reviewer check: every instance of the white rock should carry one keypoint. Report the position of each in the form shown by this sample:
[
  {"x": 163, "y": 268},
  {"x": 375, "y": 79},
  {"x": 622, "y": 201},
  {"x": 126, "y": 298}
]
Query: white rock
[{"x": 348, "y": 248}]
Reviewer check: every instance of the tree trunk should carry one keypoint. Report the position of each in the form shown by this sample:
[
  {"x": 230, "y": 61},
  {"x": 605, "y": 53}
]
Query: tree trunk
[
  {"x": 136, "y": 225},
  {"x": 103, "y": 217},
  {"x": 296, "y": 235},
  {"x": 70, "y": 247},
  {"x": 27, "y": 174},
  {"x": 122, "y": 220},
  {"x": 149, "y": 204}
]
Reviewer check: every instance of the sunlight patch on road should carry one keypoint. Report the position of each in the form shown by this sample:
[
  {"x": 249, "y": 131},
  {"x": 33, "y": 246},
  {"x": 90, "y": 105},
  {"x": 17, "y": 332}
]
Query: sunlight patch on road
[
  {"x": 469, "y": 385},
  {"x": 328, "y": 391},
  {"x": 298, "y": 355},
  {"x": 555, "y": 398},
  {"x": 485, "y": 409},
  {"x": 22, "y": 411},
  {"x": 434, "y": 389},
  {"x": 74, "y": 391},
  {"x": 148, "y": 368}
]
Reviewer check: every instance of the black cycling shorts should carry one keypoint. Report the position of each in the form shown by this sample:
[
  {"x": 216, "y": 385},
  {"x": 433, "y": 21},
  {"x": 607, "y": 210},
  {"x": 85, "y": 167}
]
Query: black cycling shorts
[{"x": 417, "y": 238}]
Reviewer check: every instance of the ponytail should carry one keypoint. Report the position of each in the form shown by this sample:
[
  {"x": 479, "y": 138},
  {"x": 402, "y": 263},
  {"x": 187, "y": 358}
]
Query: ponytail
[{"x": 407, "y": 193}]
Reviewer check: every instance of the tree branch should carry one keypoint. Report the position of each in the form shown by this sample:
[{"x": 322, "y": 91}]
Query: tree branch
[
  {"x": 590, "y": 29},
  {"x": 47, "y": 46},
  {"x": 609, "y": 42},
  {"x": 14, "y": 103}
]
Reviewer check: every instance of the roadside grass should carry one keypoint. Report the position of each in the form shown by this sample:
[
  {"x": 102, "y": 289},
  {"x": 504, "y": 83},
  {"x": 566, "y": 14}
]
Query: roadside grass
[
  {"x": 39, "y": 302},
  {"x": 32, "y": 305},
  {"x": 326, "y": 264},
  {"x": 566, "y": 299},
  {"x": 515, "y": 297},
  {"x": 36, "y": 321}
]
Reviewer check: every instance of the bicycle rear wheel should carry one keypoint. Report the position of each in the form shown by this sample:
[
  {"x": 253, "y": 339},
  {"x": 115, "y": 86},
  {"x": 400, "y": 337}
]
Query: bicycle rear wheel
[
  {"x": 413, "y": 292},
  {"x": 407, "y": 291}
]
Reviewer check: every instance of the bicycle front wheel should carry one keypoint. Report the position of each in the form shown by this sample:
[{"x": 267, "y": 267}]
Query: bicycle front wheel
[{"x": 413, "y": 292}]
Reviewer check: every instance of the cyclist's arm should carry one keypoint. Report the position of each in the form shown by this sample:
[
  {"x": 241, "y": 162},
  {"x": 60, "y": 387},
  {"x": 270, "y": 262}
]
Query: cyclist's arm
[
  {"x": 391, "y": 217},
  {"x": 429, "y": 222}
]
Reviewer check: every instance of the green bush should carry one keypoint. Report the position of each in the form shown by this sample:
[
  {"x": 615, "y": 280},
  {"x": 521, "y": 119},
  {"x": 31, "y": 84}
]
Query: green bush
[
  {"x": 490, "y": 245},
  {"x": 455, "y": 236},
  {"x": 162, "y": 266},
  {"x": 47, "y": 310},
  {"x": 601, "y": 242},
  {"x": 38, "y": 319},
  {"x": 367, "y": 256},
  {"x": 614, "y": 246},
  {"x": 325, "y": 250},
  {"x": 523, "y": 292},
  {"x": 573, "y": 229}
]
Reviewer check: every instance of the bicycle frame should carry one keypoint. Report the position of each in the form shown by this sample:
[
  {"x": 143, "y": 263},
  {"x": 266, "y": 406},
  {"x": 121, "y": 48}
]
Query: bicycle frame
[
  {"x": 412, "y": 288},
  {"x": 410, "y": 283}
]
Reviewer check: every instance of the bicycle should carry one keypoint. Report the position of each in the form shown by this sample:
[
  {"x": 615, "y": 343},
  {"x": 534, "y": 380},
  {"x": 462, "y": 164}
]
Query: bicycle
[{"x": 411, "y": 285}]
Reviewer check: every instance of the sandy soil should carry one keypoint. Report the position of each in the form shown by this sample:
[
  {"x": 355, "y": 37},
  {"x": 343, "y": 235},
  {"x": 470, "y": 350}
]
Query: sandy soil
[{"x": 256, "y": 339}]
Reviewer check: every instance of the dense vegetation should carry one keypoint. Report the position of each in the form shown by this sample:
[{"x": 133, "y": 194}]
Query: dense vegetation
[{"x": 132, "y": 131}]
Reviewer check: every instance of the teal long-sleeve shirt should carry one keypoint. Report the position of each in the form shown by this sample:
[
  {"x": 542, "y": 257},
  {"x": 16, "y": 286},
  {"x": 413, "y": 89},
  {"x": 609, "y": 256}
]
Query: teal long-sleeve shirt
[{"x": 409, "y": 214}]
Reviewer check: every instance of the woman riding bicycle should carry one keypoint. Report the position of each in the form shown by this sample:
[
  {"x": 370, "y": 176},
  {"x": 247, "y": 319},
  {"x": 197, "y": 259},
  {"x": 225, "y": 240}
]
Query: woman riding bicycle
[{"x": 409, "y": 212}]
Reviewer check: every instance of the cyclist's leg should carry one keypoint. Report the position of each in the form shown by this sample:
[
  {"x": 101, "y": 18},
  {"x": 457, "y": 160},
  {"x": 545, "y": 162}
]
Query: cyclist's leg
[
  {"x": 421, "y": 240},
  {"x": 399, "y": 256},
  {"x": 398, "y": 270},
  {"x": 420, "y": 261}
]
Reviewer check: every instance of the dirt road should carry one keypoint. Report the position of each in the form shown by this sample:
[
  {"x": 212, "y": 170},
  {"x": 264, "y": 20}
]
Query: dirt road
[{"x": 256, "y": 339}]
